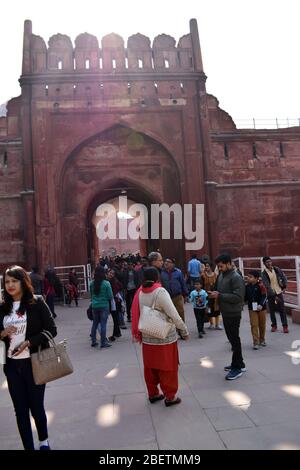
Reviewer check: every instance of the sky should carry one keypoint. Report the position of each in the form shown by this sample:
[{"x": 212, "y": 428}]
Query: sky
[{"x": 250, "y": 48}]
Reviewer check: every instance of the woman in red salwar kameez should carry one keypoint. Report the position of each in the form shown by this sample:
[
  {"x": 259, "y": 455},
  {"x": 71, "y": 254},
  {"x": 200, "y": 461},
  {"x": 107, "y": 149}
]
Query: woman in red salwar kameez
[{"x": 160, "y": 356}]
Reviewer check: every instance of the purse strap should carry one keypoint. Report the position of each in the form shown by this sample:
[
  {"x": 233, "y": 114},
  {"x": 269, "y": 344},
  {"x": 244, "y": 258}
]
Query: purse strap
[
  {"x": 155, "y": 298},
  {"x": 49, "y": 337}
]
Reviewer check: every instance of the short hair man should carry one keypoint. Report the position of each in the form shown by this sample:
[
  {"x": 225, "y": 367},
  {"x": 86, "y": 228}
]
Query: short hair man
[
  {"x": 275, "y": 282},
  {"x": 230, "y": 294}
]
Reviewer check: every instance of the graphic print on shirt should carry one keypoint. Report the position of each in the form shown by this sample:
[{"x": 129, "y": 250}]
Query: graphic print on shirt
[{"x": 19, "y": 321}]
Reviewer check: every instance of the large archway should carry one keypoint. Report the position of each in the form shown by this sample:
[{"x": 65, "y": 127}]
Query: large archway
[{"x": 117, "y": 160}]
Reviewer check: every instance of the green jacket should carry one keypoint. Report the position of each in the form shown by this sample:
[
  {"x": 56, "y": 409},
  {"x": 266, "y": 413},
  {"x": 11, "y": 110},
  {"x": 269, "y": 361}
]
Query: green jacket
[
  {"x": 103, "y": 298},
  {"x": 231, "y": 286}
]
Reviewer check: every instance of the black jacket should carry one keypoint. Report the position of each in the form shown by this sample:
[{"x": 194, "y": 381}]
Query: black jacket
[
  {"x": 39, "y": 318},
  {"x": 256, "y": 293}
]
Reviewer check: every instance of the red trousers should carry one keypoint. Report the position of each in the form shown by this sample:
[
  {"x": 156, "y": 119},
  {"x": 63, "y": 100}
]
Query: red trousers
[{"x": 168, "y": 380}]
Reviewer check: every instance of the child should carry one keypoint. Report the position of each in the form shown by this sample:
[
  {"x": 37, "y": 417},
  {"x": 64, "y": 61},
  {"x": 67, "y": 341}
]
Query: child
[
  {"x": 198, "y": 297},
  {"x": 257, "y": 297}
]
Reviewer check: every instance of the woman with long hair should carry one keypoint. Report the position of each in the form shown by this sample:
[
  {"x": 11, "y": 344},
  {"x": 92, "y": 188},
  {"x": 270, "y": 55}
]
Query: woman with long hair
[
  {"x": 101, "y": 294},
  {"x": 160, "y": 356},
  {"x": 23, "y": 317}
]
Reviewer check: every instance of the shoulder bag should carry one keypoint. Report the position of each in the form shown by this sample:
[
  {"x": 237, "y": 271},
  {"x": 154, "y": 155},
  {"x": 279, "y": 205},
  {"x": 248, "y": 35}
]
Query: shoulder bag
[
  {"x": 51, "y": 363},
  {"x": 154, "y": 323}
]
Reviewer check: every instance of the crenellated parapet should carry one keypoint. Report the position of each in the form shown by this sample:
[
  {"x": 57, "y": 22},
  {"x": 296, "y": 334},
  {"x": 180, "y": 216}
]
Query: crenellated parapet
[{"x": 111, "y": 54}]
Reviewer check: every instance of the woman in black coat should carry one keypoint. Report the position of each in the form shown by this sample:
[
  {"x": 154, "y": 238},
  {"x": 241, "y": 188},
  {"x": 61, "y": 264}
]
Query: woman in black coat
[{"x": 23, "y": 317}]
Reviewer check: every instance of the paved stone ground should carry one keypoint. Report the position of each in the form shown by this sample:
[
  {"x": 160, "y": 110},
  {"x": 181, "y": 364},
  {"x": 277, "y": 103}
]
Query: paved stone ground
[{"x": 103, "y": 404}]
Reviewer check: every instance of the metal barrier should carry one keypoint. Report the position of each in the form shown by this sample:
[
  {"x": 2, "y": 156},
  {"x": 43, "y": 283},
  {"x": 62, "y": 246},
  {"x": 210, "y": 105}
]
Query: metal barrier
[
  {"x": 290, "y": 265},
  {"x": 274, "y": 123}
]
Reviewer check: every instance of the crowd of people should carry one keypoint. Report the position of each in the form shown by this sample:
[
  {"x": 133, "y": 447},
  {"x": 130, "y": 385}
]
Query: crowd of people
[{"x": 128, "y": 288}]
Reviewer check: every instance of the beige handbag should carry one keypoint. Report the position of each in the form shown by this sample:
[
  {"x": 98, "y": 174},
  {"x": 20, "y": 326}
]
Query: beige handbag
[
  {"x": 154, "y": 323},
  {"x": 51, "y": 363}
]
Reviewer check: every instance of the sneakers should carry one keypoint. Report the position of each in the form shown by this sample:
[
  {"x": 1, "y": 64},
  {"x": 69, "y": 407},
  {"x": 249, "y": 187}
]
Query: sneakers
[
  {"x": 106, "y": 345},
  {"x": 228, "y": 368},
  {"x": 211, "y": 327},
  {"x": 263, "y": 343},
  {"x": 45, "y": 448},
  {"x": 94, "y": 345},
  {"x": 157, "y": 398},
  {"x": 285, "y": 329},
  {"x": 234, "y": 374},
  {"x": 200, "y": 335},
  {"x": 219, "y": 327},
  {"x": 255, "y": 346},
  {"x": 274, "y": 329},
  {"x": 176, "y": 401}
]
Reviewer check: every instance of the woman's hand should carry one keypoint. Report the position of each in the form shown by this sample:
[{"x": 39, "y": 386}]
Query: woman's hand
[
  {"x": 9, "y": 331},
  {"x": 185, "y": 338},
  {"x": 21, "y": 348}
]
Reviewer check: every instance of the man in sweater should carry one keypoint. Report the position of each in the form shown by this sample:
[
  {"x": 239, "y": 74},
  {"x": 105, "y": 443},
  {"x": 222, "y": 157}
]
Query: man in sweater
[{"x": 230, "y": 294}]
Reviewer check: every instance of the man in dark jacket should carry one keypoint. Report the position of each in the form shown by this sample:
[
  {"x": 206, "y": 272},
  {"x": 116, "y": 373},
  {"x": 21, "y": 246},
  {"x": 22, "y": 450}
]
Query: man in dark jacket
[
  {"x": 174, "y": 282},
  {"x": 230, "y": 294},
  {"x": 275, "y": 282}
]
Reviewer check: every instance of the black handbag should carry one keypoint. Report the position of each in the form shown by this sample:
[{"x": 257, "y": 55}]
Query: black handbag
[{"x": 89, "y": 312}]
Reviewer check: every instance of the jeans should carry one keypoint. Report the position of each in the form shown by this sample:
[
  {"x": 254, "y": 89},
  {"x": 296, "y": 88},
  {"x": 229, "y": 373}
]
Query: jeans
[
  {"x": 100, "y": 316},
  {"x": 26, "y": 397},
  {"x": 232, "y": 330},
  {"x": 277, "y": 307}
]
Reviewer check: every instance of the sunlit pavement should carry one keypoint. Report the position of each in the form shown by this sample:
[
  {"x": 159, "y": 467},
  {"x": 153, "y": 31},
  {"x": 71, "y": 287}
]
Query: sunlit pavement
[{"x": 103, "y": 404}]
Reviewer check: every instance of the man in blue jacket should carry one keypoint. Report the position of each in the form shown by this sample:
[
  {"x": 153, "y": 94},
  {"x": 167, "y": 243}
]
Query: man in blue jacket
[{"x": 174, "y": 282}]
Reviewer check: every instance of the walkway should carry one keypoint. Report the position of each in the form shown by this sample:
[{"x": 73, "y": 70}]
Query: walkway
[{"x": 103, "y": 405}]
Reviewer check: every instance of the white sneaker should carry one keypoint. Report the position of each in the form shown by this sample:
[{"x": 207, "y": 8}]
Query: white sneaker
[
  {"x": 211, "y": 327},
  {"x": 219, "y": 327},
  {"x": 255, "y": 346}
]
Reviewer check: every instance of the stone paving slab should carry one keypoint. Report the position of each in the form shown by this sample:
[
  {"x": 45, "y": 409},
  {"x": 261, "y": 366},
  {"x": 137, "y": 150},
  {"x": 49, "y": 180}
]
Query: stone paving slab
[{"x": 104, "y": 405}]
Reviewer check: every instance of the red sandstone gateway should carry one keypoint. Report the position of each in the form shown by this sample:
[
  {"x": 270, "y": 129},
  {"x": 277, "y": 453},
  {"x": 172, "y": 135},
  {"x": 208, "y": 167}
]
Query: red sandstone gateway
[{"x": 96, "y": 120}]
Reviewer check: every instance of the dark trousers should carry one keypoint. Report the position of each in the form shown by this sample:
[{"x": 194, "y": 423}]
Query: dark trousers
[
  {"x": 26, "y": 397},
  {"x": 129, "y": 300},
  {"x": 115, "y": 317},
  {"x": 199, "y": 314},
  {"x": 232, "y": 330},
  {"x": 277, "y": 307}
]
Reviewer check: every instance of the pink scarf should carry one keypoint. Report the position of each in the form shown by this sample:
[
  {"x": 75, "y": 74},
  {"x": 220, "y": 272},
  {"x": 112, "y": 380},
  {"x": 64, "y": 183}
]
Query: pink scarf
[{"x": 135, "y": 310}]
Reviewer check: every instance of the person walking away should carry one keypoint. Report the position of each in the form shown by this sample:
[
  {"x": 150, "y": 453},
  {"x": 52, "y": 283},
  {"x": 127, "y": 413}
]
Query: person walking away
[
  {"x": 160, "y": 356},
  {"x": 256, "y": 296},
  {"x": 198, "y": 298},
  {"x": 74, "y": 283},
  {"x": 49, "y": 290},
  {"x": 209, "y": 278},
  {"x": 194, "y": 270},
  {"x": 36, "y": 281},
  {"x": 275, "y": 282},
  {"x": 230, "y": 294},
  {"x": 23, "y": 318},
  {"x": 174, "y": 282},
  {"x": 116, "y": 287},
  {"x": 101, "y": 295},
  {"x": 131, "y": 284}
]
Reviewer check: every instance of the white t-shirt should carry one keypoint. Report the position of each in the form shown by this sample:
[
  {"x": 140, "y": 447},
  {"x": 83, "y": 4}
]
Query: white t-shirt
[{"x": 20, "y": 322}]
